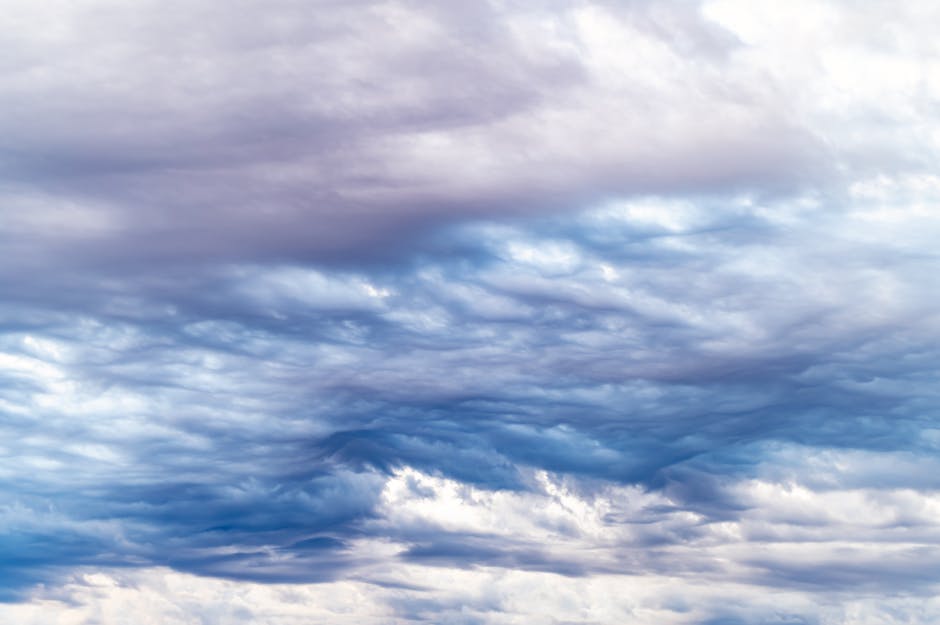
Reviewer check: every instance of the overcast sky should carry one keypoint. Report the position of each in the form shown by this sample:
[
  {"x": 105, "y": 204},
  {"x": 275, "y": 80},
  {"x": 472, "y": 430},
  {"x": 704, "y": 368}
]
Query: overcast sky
[{"x": 469, "y": 312}]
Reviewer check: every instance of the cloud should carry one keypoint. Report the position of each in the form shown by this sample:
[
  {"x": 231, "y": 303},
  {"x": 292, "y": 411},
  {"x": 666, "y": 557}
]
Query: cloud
[
  {"x": 249, "y": 422},
  {"x": 577, "y": 312},
  {"x": 141, "y": 133}
]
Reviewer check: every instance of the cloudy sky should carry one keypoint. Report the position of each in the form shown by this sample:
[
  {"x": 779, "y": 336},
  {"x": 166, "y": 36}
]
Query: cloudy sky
[{"x": 469, "y": 312}]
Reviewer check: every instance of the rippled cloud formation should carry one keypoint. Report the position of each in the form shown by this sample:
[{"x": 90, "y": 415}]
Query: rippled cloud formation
[{"x": 469, "y": 313}]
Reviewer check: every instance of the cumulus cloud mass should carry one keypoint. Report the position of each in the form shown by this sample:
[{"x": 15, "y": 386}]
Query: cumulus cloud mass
[{"x": 469, "y": 313}]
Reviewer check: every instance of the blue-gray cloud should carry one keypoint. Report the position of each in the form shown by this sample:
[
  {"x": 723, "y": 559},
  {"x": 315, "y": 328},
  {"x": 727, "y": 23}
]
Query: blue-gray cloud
[
  {"x": 265, "y": 264},
  {"x": 240, "y": 421}
]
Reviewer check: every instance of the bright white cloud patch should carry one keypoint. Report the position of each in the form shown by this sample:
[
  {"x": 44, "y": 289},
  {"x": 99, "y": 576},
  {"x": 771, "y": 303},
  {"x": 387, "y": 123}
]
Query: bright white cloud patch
[{"x": 711, "y": 571}]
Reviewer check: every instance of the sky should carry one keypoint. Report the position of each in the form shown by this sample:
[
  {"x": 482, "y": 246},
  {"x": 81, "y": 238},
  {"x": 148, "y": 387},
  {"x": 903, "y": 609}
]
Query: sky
[{"x": 393, "y": 312}]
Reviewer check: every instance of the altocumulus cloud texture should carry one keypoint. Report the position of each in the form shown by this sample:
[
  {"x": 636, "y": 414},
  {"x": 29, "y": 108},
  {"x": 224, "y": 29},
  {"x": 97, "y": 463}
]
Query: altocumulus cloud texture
[{"x": 469, "y": 312}]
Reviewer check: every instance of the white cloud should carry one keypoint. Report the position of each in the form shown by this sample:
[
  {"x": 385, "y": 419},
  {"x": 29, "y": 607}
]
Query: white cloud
[{"x": 712, "y": 572}]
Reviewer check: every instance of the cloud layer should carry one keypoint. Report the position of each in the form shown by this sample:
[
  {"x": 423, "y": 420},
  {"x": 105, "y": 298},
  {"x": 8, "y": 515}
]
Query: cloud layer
[
  {"x": 142, "y": 133},
  {"x": 570, "y": 312}
]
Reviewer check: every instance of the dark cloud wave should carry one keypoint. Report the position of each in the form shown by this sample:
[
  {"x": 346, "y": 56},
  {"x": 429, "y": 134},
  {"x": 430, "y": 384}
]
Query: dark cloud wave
[{"x": 242, "y": 422}]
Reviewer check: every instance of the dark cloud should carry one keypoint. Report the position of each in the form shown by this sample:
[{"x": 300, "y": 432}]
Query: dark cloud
[{"x": 339, "y": 132}]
